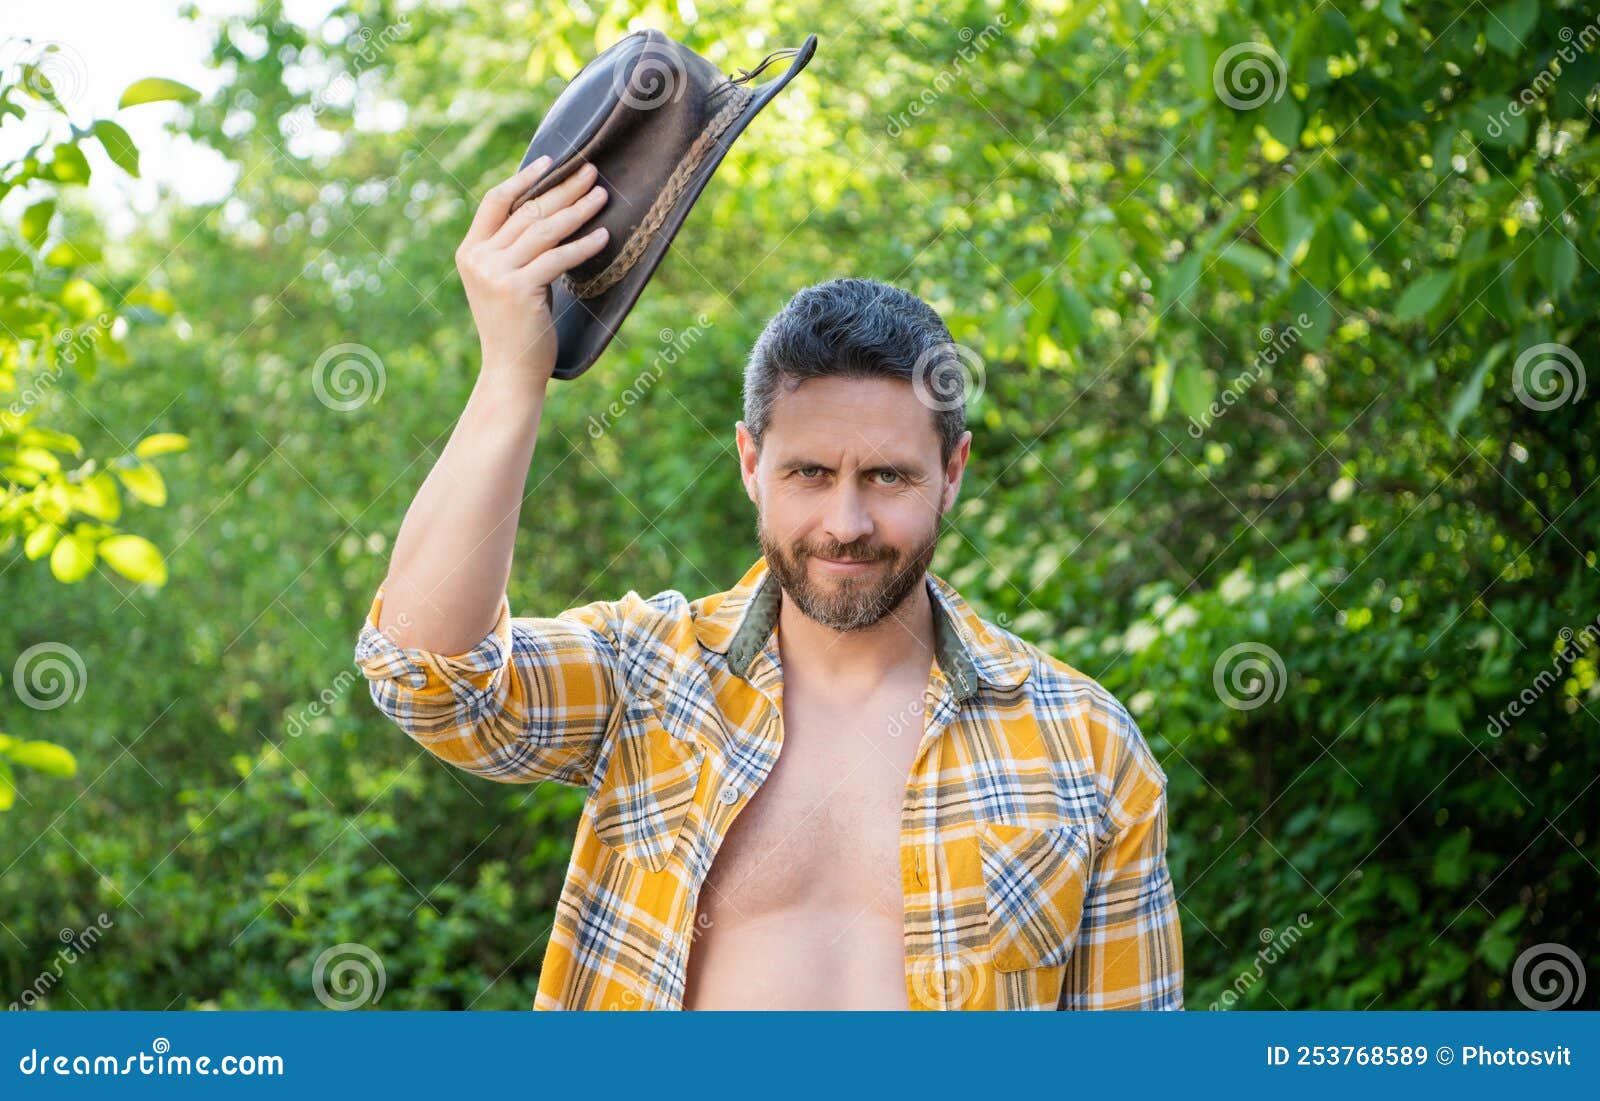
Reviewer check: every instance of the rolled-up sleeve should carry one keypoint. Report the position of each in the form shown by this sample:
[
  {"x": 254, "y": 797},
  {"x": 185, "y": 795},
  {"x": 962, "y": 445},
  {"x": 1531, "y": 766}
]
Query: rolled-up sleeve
[
  {"x": 530, "y": 701},
  {"x": 1129, "y": 952}
]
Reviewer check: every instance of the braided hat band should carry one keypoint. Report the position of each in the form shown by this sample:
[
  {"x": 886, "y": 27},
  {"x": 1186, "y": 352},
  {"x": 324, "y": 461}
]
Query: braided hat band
[{"x": 639, "y": 240}]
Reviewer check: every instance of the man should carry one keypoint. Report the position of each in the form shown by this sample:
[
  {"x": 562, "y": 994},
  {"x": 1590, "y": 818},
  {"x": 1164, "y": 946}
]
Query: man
[{"x": 831, "y": 786}]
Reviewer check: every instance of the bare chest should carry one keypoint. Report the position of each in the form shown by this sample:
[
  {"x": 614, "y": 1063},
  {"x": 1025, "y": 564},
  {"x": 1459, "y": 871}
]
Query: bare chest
[{"x": 823, "y": 831}]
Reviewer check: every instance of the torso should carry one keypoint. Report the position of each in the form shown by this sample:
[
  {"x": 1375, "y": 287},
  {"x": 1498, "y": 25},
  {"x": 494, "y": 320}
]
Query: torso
[{"x": 803, "y": 908}]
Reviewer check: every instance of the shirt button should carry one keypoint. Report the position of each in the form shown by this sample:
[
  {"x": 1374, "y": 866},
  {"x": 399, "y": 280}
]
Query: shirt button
[{"x": 729, "y": 794}]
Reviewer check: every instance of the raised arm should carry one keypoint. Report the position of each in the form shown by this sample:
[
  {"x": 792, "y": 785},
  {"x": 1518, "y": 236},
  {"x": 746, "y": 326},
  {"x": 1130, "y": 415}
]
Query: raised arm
[
  {"x": 511, "y": 699},
  {"x": 452, "y": 557}
]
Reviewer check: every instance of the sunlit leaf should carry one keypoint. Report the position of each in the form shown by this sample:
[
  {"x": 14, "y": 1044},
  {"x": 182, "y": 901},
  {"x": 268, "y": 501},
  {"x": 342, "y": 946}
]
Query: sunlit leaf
[
  {"x": 72, "y": 558},
  {"x": 135, "y": 558},
  {"x": 118, "y": 146},
  {"x": 161, "y": 443},
  {"x": 145, "y": 483},
  {"x": 157, "y": 90},
  {"x": 46, "y": 757}
]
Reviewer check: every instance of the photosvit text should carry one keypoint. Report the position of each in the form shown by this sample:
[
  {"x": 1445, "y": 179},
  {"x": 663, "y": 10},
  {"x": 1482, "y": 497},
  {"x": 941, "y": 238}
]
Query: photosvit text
[{"x": 1414, "y": 1055}]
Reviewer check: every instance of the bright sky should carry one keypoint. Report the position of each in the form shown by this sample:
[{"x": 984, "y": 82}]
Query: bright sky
[{"x": 106, "y": 46}]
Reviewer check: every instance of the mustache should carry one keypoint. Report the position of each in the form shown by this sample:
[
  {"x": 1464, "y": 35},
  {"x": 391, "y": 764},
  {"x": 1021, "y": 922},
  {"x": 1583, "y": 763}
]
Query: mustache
[{"x": 844, "y": 554}]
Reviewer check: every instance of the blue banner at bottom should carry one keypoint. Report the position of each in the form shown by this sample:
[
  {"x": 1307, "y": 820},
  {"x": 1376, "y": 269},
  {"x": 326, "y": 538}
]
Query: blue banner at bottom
[{"x": 668, "y": 1056}]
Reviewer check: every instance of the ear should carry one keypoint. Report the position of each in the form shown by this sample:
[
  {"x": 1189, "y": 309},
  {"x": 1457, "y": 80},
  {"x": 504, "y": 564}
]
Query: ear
[
  {"x": 954, "y": 469},
  {"x": 748, "y": 457}
]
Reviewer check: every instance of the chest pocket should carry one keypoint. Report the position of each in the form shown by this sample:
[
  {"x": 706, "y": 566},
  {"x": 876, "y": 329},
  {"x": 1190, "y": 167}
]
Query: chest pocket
[
  {"x": 1035, "y": 881},
  {"x": 648, "y": 787}
]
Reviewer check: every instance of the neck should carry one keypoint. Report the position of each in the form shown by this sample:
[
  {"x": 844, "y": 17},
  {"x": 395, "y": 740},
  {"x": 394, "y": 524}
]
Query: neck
[{"x": 857, "y": 662}]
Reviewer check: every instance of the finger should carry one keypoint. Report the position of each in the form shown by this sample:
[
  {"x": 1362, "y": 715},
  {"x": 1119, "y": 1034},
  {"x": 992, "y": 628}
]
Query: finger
[
  {"x": 559, "y": 226},
  {"x": 547, "y": 265},
  {"x": 496, "y": 204},
  {"x": 558, "y": 198}
]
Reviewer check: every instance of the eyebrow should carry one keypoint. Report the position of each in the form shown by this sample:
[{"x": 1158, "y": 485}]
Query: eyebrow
[{"x": 910, "y": 472}]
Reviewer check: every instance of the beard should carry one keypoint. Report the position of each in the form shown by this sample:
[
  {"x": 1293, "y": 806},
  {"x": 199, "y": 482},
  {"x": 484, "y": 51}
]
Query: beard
[{"x": 845, "y": 603}]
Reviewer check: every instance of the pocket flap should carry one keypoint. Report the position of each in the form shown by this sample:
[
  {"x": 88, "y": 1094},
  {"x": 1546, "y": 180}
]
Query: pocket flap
[
  {"x": 648, "y": 786},
  {"x": 1035, "y": 880}
]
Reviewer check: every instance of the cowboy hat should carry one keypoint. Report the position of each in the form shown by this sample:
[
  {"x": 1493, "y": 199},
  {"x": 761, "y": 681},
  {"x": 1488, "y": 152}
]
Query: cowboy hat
[{"x": 655, "y": 118}]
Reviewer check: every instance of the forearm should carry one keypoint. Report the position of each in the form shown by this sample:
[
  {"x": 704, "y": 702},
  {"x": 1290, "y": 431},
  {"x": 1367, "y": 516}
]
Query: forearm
[{"x": 452, "y": 557}]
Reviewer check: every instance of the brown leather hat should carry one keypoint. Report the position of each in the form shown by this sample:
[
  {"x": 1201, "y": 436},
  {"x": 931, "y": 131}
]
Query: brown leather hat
[{"x": 656, "y": 119}]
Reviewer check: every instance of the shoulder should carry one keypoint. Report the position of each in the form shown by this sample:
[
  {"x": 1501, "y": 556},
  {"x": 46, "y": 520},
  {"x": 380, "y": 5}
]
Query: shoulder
[{"x": 1082, "y": 720}]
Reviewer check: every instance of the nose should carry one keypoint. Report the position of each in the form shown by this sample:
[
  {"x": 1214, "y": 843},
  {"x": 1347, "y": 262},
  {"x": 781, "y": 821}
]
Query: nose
[{"x": 845, "y": 520}]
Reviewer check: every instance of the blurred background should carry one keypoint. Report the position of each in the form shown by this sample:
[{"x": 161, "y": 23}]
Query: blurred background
[{"x": 1283, "y": 432}]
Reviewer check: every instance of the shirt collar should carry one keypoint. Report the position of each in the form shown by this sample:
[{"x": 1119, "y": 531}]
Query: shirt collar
[{"x": 739, "y": 623}]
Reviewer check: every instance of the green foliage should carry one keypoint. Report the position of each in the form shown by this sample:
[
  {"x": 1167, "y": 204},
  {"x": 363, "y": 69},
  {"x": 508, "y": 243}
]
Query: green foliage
[
  {"x": 56, "y": 328},
  {"x": 1255, "y": 375}
]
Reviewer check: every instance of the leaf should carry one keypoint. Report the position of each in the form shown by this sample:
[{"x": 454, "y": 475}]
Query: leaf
[
  {"x": 157, "y": 89},
  {"x": 1404, "y": 892},
  {"x": 53, "y": 439},
  {"x": 1496, "y": 123},
  {"x": 1508, "y": 25},
  {"x": 98, "y": 497},
  {"x": 145, "y": 483},
  {"x": 1556, "y": 260},
  {"x": 1283, "y": 120},
  {"x": 1192, "y": 390},
  {"x": 118, "y": 146},
  {"x": 69, "y": 254},
  {"x": 1440, "y": 714},
  {"x": 135, "y": 558},
  {"x": 40, "y": 540},
  {"x": 1179, "y": 285},
  {"x": 73, "y": 558},
  {"x": 161, "y": 443},
  {"x": 1471, "y": 392},
  {"x": 8, "y": 789},
  {"x": 46, "y": 757},
  {"x": 1248, "y": 259},
  {"x": 69, "y": 164},
  {"x": 1450, "y": 860},
  {"x": 36, "y": 221},
  {"x": 1423, "y": 295},
  {"x": 1160, "y": 386}
]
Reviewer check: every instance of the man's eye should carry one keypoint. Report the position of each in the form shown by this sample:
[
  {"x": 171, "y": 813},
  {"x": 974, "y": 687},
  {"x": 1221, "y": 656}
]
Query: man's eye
[
  {"x": 891, "y": 475},
  {"x": 808, "y": 471}
]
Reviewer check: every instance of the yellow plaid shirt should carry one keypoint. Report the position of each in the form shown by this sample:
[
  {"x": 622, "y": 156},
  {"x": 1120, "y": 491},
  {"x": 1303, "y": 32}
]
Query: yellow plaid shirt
[{"x": 1033, "y": 836}]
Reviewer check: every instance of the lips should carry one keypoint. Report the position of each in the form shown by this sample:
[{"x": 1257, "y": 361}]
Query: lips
[{"x": 851, "y": 565}]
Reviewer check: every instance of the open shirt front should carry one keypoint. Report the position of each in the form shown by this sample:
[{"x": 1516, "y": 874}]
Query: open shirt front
[{"x": 1033, "y": 833}]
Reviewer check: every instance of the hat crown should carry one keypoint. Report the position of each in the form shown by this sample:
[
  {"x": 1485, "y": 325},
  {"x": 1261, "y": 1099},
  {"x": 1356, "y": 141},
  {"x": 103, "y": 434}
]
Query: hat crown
[
  {"x": 655, "y": 119},
  {"x": 636, "y": 112}
]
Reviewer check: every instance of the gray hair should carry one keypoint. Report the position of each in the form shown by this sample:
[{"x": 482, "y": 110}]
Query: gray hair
[{"x": 857, "y": 328}]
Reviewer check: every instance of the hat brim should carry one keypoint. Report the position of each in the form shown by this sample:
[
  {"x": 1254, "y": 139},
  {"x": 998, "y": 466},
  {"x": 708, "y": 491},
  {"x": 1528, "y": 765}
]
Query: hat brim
[{"x": 584, "y": 327}]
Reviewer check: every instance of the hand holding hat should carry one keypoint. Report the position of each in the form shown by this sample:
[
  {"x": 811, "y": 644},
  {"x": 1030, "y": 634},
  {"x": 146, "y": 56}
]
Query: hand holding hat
[
  {"x": 653, "y": 119},
  {"x": 508, "y": 260}
]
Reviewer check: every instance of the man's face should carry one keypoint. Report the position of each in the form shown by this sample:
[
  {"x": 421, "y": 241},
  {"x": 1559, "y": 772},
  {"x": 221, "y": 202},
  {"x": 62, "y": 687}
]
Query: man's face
[{"x": 849, "y": 493}]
